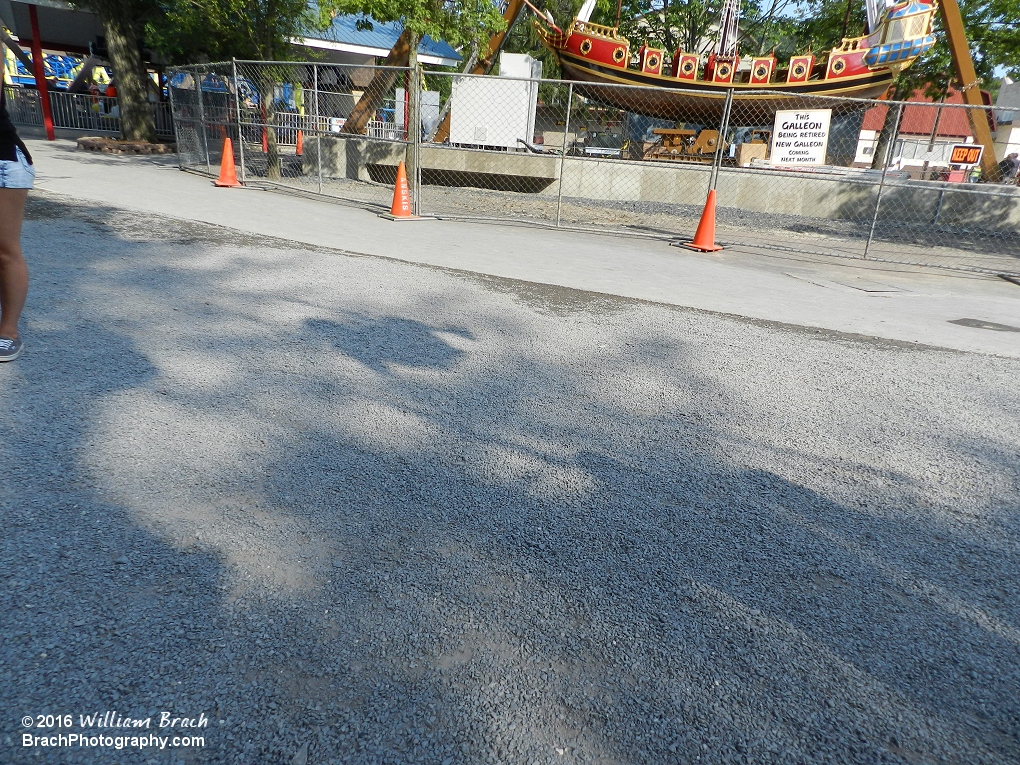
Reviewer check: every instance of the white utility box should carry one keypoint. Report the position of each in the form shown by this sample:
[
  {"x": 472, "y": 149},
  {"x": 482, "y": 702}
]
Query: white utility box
[
  {"x": 494, "y": 112},
  {"x": 429, "y": 109}
]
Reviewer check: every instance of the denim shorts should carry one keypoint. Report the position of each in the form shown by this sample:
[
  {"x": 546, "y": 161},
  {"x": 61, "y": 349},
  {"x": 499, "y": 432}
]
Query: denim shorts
[{"x": 18, "y": 174}]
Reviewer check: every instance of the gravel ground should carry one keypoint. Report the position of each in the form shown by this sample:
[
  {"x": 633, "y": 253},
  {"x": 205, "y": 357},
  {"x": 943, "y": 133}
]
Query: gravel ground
[{"x": 355, "y": 510}]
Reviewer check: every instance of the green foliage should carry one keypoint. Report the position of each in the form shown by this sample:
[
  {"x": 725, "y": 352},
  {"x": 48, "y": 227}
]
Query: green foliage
[
  {"x": 522, "y": 37},
  {"x": 770, "y": 26},
  {"x": 128, "y": 11},
  {"x": 186, "y": 31},
  {"x": 993, "y": 31},
  {"x": 826, "y": 23},
  {"x": 690, "y": 25},
  {"x": 668, "y": 24},
  {"x": 191, "y": 30}
]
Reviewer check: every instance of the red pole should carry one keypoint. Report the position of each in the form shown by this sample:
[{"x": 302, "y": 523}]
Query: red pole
[
  {"x": 265, "y": 136},
  {"x": 40, "y": 73}
]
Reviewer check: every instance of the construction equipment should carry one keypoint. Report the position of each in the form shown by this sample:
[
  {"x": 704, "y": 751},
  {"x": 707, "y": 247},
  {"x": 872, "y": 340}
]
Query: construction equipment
[{"x": 684, "y": 145}]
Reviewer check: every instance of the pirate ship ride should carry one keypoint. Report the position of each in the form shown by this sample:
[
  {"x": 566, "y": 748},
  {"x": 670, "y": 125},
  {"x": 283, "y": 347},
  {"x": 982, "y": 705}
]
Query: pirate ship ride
[{"x": 694, "y": 85}]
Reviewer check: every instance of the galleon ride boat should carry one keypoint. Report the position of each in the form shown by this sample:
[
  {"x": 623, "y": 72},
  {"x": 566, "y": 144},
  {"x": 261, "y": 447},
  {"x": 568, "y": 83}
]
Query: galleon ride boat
[{"x": 696, "y": 86}]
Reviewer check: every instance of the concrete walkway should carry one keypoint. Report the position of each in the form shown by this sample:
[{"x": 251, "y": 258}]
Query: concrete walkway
[{"x": 898, "y": 303}]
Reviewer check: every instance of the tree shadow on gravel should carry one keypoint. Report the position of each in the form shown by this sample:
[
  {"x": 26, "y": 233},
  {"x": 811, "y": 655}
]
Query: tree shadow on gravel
[
  {"x": 398, "y": 341},
  {"x": 99, "y": 614},
  {"x": 440, "y": 522}
]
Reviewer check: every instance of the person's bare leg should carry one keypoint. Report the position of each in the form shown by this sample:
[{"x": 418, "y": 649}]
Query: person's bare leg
[{"x": 13, "y": 269}]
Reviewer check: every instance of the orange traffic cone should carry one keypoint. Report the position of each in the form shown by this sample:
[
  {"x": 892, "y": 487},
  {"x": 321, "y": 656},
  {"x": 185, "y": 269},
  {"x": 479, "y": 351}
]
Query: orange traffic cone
[
  {"x": 704, "y": 237},
  {"x": 299, "y": 149},
  {"x": 401, "y": 208},
  {"x": 228, "y": 175}
]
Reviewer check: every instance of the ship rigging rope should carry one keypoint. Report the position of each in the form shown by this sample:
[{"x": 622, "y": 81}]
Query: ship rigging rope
[{"x": 728, "y": 28}]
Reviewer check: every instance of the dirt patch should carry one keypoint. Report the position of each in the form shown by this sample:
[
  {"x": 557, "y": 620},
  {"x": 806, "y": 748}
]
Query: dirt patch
[{"x": 118, "y": 146}]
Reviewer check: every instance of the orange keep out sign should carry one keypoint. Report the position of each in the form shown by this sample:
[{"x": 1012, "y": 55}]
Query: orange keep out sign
[{"x": 965, "y": 154}]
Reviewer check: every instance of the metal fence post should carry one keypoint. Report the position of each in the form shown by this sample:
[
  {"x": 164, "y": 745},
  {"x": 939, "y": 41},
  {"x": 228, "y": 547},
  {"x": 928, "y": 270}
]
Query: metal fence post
[
  {"x": 93, "y": 116},
  {"x": 173, "y": 118},
  {"x": 724, "y": 127},
  {"x": 416, "y": 76},
  {"x": 563, "y": 153},
  {"x": 240, "y": 126},
  {"x": 316, "y": 122},
  {"x": 890, "y": 147},
  {"x": 201, "y": 122}
]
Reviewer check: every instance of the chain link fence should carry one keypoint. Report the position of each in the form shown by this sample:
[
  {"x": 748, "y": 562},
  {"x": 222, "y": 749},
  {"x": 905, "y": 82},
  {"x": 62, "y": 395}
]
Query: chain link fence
[
  {"x": 288, "y": 125},
  {"x": 831, "y": 176}
]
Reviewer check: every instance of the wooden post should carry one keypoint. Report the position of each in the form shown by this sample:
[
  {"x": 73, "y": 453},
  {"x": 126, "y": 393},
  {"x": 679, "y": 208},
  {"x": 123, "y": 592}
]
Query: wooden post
[
  {"x": 40, "y": 73},
  {"x": 964, "y": 64}
]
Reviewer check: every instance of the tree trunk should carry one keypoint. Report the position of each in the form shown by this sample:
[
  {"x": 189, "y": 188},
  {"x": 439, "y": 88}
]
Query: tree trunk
[
  {"x": 413, "y": 121},
  {"x": 137, "y": 122},
  {"x": 267, "y": 92},
  {"x": 378, "y": 88},
  {"x": 889, "y": 130},
  {"x": 274, "y": 172},
  {"x": 900, "y": 91}
]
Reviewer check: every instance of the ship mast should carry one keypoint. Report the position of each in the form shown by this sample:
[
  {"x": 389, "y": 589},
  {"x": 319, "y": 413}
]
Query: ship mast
[
  {"x": 728, "y": 31},
  {"x": 876, "y": 12}
]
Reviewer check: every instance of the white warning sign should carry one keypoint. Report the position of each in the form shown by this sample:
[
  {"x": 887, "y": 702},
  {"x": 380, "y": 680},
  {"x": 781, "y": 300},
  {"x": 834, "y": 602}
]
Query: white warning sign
[{"x": 800, "y": 137}]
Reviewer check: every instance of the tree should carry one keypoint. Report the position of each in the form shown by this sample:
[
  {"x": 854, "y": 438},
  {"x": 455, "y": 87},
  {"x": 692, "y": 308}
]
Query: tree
[
  {"x": 185, "y": 31},
  {"x": 691, "y": 25},
  {"x": 993, "y": 31},
  {"x": 217, "y": 30},
  {"x": 770, "y": 26},
  {"x": 668, "y": 24},
  {"x": 522, "y": 38},
  {"x": 461, "y": 23},
  {"x": 123, "y": 22}
]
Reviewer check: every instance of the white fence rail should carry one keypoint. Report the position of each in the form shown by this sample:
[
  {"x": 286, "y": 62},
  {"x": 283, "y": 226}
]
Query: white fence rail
[{"x": 79, "y": 111}]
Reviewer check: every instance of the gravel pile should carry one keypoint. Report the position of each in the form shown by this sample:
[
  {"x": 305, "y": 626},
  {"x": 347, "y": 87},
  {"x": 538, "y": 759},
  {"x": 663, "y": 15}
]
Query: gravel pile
[{"x": 354, "y": 510}]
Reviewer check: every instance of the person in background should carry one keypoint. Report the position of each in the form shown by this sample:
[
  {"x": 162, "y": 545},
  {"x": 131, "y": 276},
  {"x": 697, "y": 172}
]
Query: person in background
[
  {"x": 112, "y": 107},
  {"x": 1009, "y": 168},
  {"x": 16, "y": 177}
]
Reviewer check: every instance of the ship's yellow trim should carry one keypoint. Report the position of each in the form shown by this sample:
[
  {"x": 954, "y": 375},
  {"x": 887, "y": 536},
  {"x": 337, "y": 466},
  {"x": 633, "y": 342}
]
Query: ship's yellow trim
[
  {"x": 792, "y": 87},
  {"x": 597, "y": 30},
  {"x": 849, "y": 44}
]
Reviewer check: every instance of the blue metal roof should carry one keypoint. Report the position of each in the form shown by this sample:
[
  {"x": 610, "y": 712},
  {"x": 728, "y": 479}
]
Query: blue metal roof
[{"x": 382, "y": 36}]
